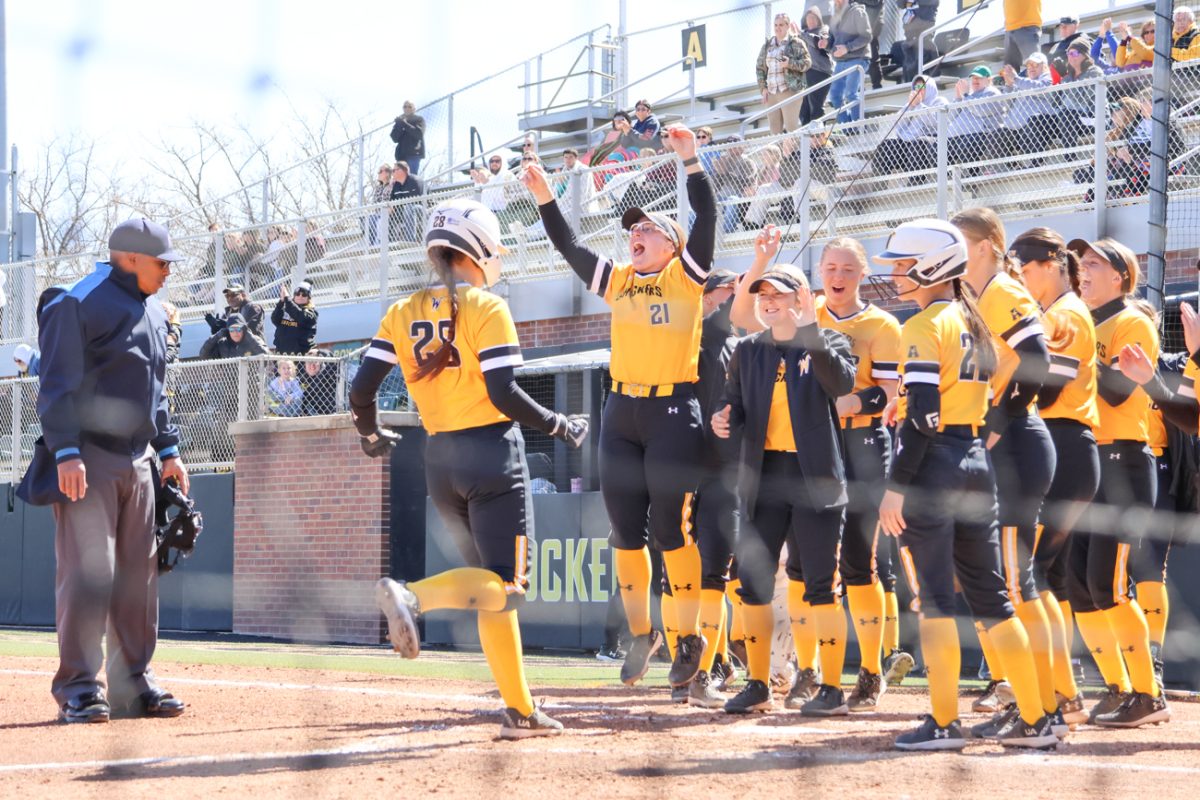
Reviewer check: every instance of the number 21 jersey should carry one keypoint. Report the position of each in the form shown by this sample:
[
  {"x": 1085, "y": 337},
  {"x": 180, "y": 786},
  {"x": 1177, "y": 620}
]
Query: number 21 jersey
[{"x": 486, "y": 338}]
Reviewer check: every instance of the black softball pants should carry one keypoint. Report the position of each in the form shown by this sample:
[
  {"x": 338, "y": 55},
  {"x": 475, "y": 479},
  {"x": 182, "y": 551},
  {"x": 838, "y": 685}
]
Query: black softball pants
[
  {"x": 1076, "y": 480},
  {"x": 1023, "y": 461},
  {"x": 478, "y": 480},
  {"x": 951, "y": 532},
  {"x": 717, "y": 524},
  {"x": 863, "y": 555},
  {"x": 783, "y": 512},
  {"x": 1152, "y": 556},
  {"x": 1098, "y": 564},
  {"x": 650, "y": 464}
]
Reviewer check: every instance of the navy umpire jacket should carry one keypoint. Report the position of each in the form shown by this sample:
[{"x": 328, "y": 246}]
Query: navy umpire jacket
[
  {"x": 104, "y": 358},
  {"x": 818, "y": 368}
]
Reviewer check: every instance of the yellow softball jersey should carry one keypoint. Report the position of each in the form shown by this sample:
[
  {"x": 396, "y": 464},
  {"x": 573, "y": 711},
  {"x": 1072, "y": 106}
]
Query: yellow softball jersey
[
  {"x": 1012, "y": 315},
  {"x": 874, "y": 345},
  {"x": 655, "y": 322},
  {"x": 779, "y": 421},
  {"x": 1118, "y": 325},
  {"x": 937, "y": 349},
  {"x": 1072, "y": 337},
  {"x": 486, "y": 338}
]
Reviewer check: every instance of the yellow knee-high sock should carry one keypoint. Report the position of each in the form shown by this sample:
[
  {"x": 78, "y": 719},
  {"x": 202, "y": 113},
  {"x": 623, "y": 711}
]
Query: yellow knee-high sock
[
  {"x": 1011, "y": 642},
  {"x": 737, "y": 622},
  {"x": 1152, "y": 597},
  {"x": 804, "y": 626},
  {"x": 943, "y": 662},
  {"x": 760, "y": 629},
  {"x": 867, "y": 608},
  {"x": 989, "y": 652},
  {"x": 1101, "y": 641},
  {"x": 500, "y": 637},
  {"x": 633, "y": 573},
  {"x": 891, "y": 622},
  {"x": 712, "y": 603},
  {"x": 683, "y": 570},
  {"x": 1037, "y": 626},
  {"x": 1064, "y": 607},
  {"x": 831, "y": 636},
  {"x": 670, "y": 619},
  {"x": 466, "y": 588},
  {"x": 1060, "y": 662},
  {"x": 722, "y": 644},
  {"x": 1129, "y": 625}
]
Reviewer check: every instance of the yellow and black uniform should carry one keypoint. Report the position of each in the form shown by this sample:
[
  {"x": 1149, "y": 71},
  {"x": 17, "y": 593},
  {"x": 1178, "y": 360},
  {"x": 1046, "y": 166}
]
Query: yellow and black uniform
[
  {"x": 941, "y": 461},
  {"x": 1098, "y": 579},
  {"x": 792, "y": 484},
  {"x": 1067, "y": 403},
  {"x": 865, "y": 564},
  {"x": 475, "y": 466},
  {"x": 651, "y": 436}
]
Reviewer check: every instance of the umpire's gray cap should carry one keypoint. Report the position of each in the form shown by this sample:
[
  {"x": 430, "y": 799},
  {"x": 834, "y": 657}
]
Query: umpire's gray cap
[{"x": 145, "y": 237}]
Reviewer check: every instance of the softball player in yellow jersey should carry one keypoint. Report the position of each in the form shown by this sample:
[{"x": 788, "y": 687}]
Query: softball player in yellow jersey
[
  {"x": 1020, "y": 449},
  {"x": 651, "y": 440},
  {"x": 1067, "y": 403},
  {"x": 941, "y": 497},
  {"x": 1110, "y": 620},
  {"x": 457, "y": 346}
]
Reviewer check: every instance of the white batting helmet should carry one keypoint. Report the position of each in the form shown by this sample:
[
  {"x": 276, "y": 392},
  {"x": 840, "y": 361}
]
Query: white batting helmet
[
  {"x": 471, "y": 229},
  {"x": 938, "y": 247}
]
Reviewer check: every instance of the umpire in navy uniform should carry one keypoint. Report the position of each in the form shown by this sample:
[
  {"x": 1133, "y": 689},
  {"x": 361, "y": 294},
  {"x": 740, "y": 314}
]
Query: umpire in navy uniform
[{"x": 104, "y": 417}]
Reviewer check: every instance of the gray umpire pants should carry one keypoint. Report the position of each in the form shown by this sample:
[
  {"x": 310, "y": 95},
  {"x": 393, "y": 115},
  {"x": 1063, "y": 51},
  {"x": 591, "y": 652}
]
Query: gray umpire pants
[{"x": 107, "y": 578}]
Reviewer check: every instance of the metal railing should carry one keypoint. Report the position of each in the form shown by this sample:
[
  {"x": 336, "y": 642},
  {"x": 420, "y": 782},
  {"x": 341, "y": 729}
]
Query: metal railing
[
  {"x": 757, "y": 115},
  {"x": 967, "y": 12}
]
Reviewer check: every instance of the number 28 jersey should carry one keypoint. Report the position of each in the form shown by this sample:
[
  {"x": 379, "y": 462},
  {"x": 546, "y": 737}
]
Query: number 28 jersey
[
  {"x": 486, "y": 338},
  {"x": 936, "y": 348}
]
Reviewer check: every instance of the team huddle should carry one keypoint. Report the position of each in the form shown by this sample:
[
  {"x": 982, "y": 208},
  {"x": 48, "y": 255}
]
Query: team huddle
[{"x": 1027, "y": 388}]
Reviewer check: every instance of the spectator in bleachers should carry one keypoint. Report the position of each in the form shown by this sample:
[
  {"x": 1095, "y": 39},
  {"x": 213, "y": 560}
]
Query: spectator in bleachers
[
  {"x": 408, "y": 132},
  {"x": 653, "y": 184},
  {"x": 875, "y": 18},
  {"x": 378, "y": 192},
  {"x": 646, "y": 127},
  {"x": 319, "y": 382},
  {"x": 252, "y": 248},
  {"x": 1124, "y": 119},
  {"x": 493, "y": 194},
  {"x": 404, "y": 220},
  {"x": 1105, "y": 37},
  {"x": 1185, "y": 39},
  {"x": 1032, "y": 119},
  {"x": 913, "y": 145},
  {"x": 295, "y": 320},
  {"x": 733, "y": 175},
  {"x": 238, "y": 302},
  {"x": 1078, "y": 104},
  {"x": 284, "y": 395},
  {"x": 626, "y": 136},
  {"x": 704, "y": 141},
  {"x": 266, "y": 268},
  {"x": 973, "y": 128},
  {"x": 816, "y": 37},
  {"x": 574, "y": 170},
  {"x": 769, "y": 184},
  {"x": 28, "y": 361},
  {"x": 782, "y": 62},
  {"x": 1135, "y": 52},
  {"x": 1022, "y": 31},
  {"x": 850, "y": 31},
  {"x": 1068, "y": 34},
  {"x": 918, "y": 17},
  {"x": 1132, "y": 161},
  {"x": 233, "y": 341}
]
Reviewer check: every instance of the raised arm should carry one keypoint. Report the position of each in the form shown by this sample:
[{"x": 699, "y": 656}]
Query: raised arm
[{"x": 591, "y": 267}]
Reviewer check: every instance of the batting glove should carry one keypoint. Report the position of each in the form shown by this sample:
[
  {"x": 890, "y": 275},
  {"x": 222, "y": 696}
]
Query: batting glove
[
  {"x": 379, "y": 443},
  {"x": 572, "y": 430}
]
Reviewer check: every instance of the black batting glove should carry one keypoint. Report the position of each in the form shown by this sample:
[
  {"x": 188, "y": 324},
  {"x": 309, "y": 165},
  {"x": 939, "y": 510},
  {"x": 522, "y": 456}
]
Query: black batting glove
[
  {"x": 379, "y": 443},
  {"x": 215, "y": 323},
  {"x": 572, "y": 430}
]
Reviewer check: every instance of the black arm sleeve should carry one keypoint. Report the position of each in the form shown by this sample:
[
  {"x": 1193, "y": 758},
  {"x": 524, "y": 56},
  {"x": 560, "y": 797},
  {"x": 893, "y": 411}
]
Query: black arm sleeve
[
  {"x": 873, "y": 399},
  {"x": 1027, "y": 381},
  {"x": 583, "y": 261},
  {"x": 363, "y": 391},
  {"x": 916, "y": 432},
  {"x": 1048, "y": 396},
  {"x": 511, "y": 400},
  {"x": 702, "y": 239},
  {"x": 1113, "y": 387},
  {"x": 1182, "y": 412}
]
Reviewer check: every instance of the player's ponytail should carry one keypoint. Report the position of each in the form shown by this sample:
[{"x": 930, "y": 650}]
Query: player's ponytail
[
  {"x": 443, "y": 259},
  {"x": 981, "y": 335},
  {"x": 983, "y": 224}
]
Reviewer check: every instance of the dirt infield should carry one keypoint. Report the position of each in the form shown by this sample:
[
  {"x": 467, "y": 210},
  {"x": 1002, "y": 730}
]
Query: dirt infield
[{"x": 271, "y": 732}]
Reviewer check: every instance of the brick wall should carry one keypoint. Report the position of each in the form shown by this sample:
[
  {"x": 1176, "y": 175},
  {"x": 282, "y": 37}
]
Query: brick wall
[
  {"x": 565, "y": 330},
  {"x": 311, "y": 522}
]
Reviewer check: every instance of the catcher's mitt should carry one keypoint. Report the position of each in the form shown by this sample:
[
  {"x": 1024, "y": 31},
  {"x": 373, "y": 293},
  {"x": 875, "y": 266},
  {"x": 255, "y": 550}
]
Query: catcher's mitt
[{"x": 178, "y": 533}]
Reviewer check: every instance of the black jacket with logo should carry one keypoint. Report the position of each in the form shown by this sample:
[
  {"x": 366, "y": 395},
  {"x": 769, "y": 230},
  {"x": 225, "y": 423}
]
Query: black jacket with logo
[
  {"x": 295, "y": 327},
  {"x": 818, "y": 368}
]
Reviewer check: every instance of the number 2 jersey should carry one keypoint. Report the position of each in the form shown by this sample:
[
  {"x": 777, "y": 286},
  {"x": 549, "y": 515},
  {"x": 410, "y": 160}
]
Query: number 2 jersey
[
  {"x": 486, "y": 338},
  {"x": 936, "y": 349}
]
